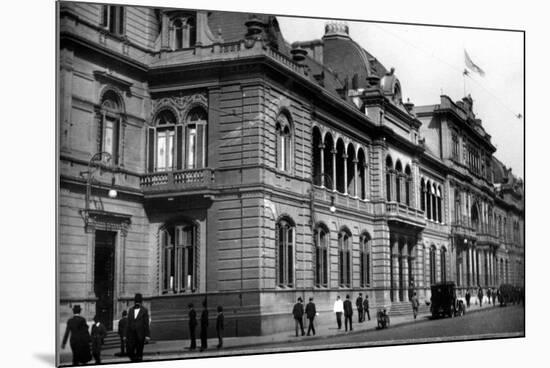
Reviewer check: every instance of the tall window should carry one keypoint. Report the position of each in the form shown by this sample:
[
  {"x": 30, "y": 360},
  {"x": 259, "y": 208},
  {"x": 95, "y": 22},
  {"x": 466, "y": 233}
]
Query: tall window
[
  {"x": 408, "y": 185},
  {"x": 443, "y": 261},
  {"x": 389, "y": 172},
  {"x": 321, "y": 256},
  {"x": 457, "y": 207},
  {"x": 398, "y": 181},
  {"x": 432, "y": 265},
  {"x": 439, "y": 205},
  {"x": 285, "y": 253},
  {"x": 179, "y": 264},
  {"x": 110, "y": 126},
  {"x": 344, "y": 258},
  {"x": 184, "y": 32},
  {"x": 113, "y": 19},
  {"x": 364, "y": 260},
  {"x": 284, "y": 146},
  {"x": 176, "y": 146},
  {"x": 456, "y": 146},
  {"x": 422, "y": 195}
]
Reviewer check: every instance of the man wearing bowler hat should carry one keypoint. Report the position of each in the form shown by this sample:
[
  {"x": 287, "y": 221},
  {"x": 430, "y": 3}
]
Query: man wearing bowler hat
[
  {"x": 137, "y": 329},
  {"x": 80, "y": 338}
]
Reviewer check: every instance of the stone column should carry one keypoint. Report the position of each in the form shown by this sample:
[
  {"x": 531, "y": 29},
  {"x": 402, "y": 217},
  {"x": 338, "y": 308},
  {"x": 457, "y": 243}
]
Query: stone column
[
  {"x": 333, "y": 169},
  {"x": 345, "y": 159},
  {"x": 469, "y": 277},
  {"x": 355, "y": 161},
  {"x": 395, "y": 255},
  {"x": 405, "y": 271}
]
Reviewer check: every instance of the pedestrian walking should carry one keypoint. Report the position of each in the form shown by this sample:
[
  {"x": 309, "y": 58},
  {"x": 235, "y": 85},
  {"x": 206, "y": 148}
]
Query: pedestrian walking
[
  {"x": 137, "y": 330},
  {"x": 98, "y": 333},
  {"x": 359, "y": 304},
  {"x": 219, "y": 326},
  {"x": 122, "y": 323},
  {"x": 192, "y": 326},
  {"x": 204, "y": 327},
  {"x": 468, "y": 296},
  {"x": 348, "y": 313},
  {"x": 480, "y": 295},
  {"x": 489, "y": 296},
  {"x": 415, "y": 304},
  {"x": 311, "y": 312},
  {"x": 366, "y": 307},
  {"x": 494, "y": 296},
  {"x": 298, "y": 313},
  {"x": 339, "y": 309},
  {"x": 77, "y": 328}
]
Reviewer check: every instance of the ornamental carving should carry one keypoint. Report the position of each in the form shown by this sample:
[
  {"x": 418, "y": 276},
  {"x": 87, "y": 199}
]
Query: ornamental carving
[{"x": 181, "y": 104}]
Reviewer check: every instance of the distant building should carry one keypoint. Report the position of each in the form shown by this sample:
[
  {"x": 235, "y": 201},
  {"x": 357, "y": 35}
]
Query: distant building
[{"x": 250, "y": 172}]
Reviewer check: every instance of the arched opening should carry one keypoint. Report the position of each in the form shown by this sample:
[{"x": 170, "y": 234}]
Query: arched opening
[
  {"x": 341, "y": 160},
  {"x": 363, "y": 174},
  {"x": 398, "y": 181},
  {"x": 284, "y": 145},
  {"x": 344, "y": 257},
  {"x": 329, "y": 160},
  {"x": 408, "y": 185},
  {"x": 364, "y": 260},
  {"x": 317, "y": 149},
  {"x": 285, "y": 239},
  {"x": 474, "y": 215},
  {"x": 351, "y": 163},
  {"x": 389, "y": 173},
  {"x": 321, "y": 245}
]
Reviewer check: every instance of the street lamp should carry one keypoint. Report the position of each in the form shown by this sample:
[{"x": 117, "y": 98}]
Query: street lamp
[{"x": 98, "y": 157}]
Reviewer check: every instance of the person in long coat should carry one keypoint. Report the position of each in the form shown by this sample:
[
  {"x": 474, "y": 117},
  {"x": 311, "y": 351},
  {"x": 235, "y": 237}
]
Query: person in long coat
[
  {"x": 366, "y": 307},
  {"x": 219, "y": 326},
  {"x": 137, "y": 330},
  {"x": 311, "y": 312},
  {"x": 298, "y": 314},
  {"x": 122, "y": 323},
  {"x": 359, "y": 304},
  {"x": 77, "y": 328},
  {"x": 204, "y": 327},
  {"x": 98, "y": 334},
  {"x": 192, "y": 326},
  {"x": 348, "y": 312}
]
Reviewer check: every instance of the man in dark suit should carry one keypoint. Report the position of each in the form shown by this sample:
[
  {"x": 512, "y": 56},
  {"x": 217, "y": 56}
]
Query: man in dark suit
[
  {"x": 192, "y": 326},
  {"x": 219, "y": 326},
  {"x": 204, "y": 327},
  {"x": 122, "y": 323},
  {"x": 298, "y": 313},
  {"x": 348, "y": 312},
  {"x": 80, "y": 338},
  {"x": 137, "y": 330},
  {"x": 359, "y": 304},
  {"x": 366, "y": 307},
  {"x": 311, "y": 312},
  {"x": 98, "y": 334}
]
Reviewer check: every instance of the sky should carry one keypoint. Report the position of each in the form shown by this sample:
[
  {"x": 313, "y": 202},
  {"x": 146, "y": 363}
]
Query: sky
[{"x": 429, "y": 61}]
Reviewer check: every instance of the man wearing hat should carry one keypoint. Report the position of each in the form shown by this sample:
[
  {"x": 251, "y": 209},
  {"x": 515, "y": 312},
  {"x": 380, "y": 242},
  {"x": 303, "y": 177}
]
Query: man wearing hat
[
  {"x": 137, "y": 329},
  {"x": 80, "y": 338}
]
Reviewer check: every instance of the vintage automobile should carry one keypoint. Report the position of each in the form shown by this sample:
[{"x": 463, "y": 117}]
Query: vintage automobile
[{"x": 444, "y": 302}]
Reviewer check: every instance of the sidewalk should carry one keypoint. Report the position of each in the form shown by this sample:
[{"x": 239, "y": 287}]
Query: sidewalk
[{"x": 178, "y": 348}]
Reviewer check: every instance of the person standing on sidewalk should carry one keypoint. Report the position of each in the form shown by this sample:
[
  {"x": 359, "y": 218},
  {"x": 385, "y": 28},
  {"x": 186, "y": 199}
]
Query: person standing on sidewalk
[
  {"x": 80, "y": 338},
  {"x": 311, "y": 312},
  {"x": 192, "y": 326},
  {"x": 122, "y": 323},
  {"x": 415, "y": 304},
  {"x": 494, "y": 296},
  {"x": 98, "y": 333},
  {"x": 359, "y": 304},
  {"x": 298, "y": 313},
  {"x": 348, "y": 313},
  {"x": 468, "y": 298},
  {"x": 137, "y": 330},
  {"x": 480, "y": 296},
  {"x": 219, "y": 326},
  {"x": 339, "y": 309},
  {"x": 204, "y": 326},
  {"x": 366, "y": 307},
  {"x": 489, "y": 296}
]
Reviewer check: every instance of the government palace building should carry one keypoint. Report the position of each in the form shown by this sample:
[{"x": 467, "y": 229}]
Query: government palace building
[{"x": 203, "y": 157}]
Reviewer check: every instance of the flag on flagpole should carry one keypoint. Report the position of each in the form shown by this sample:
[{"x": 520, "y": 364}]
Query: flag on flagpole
[{"x": 470, "y": 65}]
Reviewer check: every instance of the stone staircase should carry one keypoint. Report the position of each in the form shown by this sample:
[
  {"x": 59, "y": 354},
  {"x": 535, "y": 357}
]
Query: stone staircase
[
  {"x": 404, "y": 308},
  {"x": 112, "y": 341}
]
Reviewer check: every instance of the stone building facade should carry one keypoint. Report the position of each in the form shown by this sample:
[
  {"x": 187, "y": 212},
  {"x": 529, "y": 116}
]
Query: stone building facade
[{"x": 249, "y": 172}]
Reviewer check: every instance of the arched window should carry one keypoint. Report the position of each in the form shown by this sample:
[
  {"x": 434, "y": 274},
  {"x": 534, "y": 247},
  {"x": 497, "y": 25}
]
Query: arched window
[
  {"x": 322, "y": 239},
  {"x": 176, "y": 146},
  {"x": 398, "y": 178},
  {"x": 316, "y": 153},
  {"x": 363, "y": 174},
  {"x": 429, "y": 203},
  {"x": 183, "y": 32},
  {"x": 457, "y": 207},
  {"x": 364, "y": 247},
  {"x": 344, "y": 258},
  {"x": 285, "y": 236},
  {"x": 408, "y": 185},
  {"x": 423, "y": 196},
  {"x": 434, "y": 201},
  {"x": 443, "y": 262},
  {"x": 179, "y": 258},
  {"x": 389, "y": 172},
  {"x": 439, "y": 205},
  {"x": 284, "y": 146},
  {"x": 110, "y": 122}
]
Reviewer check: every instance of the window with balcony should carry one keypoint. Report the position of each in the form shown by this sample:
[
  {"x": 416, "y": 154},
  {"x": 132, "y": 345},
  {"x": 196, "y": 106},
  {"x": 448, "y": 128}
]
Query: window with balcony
[
  {"x": 176, "y": 146},
  {"x": 113, "y": 19},
  {"x": 285, "y": 238},
  {"x": 284, "y": 143},
  {"x": 321, "y": 252},
  {"x": 179, "y": 257},
  {"x": 344, "y": 258},
  {"x": 110, "y": 121},
  {"x": 365, "y": 260}
]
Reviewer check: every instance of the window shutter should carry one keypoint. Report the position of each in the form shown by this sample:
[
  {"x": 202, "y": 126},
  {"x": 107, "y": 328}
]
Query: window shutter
[
  {"x": 201, "y": 130},
  {"x": 179, "y": 147},
  {"x": 151, "y": 149}
]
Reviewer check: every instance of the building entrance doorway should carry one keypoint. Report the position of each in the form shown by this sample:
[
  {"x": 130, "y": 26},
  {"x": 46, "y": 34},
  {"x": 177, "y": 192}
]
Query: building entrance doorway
[{"x": 104, "y": 275}]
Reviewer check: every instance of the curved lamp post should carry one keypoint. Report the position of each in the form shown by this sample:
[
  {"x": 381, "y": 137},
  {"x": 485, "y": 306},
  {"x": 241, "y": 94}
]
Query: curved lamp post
[{"x": 98, "y": 157}]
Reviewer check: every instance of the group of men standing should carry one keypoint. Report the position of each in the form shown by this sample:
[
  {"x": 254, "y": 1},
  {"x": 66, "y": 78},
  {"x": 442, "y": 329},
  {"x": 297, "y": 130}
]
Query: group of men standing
[
  {"x": 340, "y": 308},
  {"x": 204, "y": 326}
]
